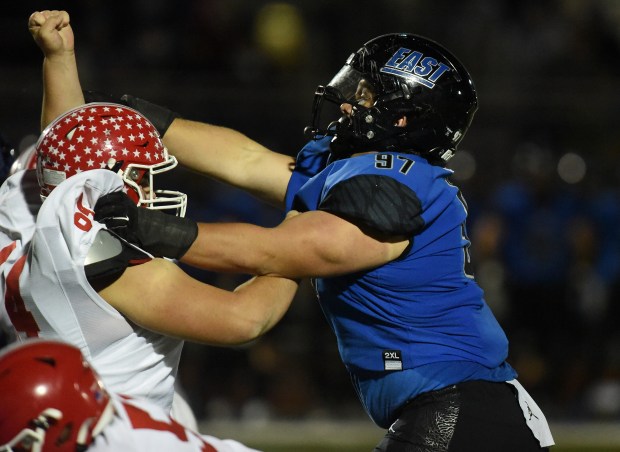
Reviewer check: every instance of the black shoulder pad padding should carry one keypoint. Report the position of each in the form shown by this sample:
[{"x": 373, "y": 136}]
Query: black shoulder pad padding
[
  {"x": 379, "y": 202},
  {"x": 109, "y": 257}
]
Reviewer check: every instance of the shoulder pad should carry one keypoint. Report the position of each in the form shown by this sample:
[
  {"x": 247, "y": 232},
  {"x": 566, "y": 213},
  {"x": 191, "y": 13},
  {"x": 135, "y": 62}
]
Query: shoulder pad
[
  {"x": 379, "y": 202},
  {"x": 108, "y": 257}
]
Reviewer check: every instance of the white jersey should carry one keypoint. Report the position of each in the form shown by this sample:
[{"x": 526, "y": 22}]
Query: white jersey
[
  {"x": 48, "y": 295},
  {"x": 19, "y": 205},
  {"x": 141, "y": 426}
]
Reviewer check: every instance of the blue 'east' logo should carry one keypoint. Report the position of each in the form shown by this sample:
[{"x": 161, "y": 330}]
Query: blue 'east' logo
[{"x": 425, "y": 70}]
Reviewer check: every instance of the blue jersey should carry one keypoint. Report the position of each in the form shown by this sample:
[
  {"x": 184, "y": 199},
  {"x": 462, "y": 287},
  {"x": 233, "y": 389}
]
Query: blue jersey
[{"x": 417, "y": 323}]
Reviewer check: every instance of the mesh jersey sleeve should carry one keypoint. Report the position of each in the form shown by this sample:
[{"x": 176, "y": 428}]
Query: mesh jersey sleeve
[{"x": 379, "y": 202}]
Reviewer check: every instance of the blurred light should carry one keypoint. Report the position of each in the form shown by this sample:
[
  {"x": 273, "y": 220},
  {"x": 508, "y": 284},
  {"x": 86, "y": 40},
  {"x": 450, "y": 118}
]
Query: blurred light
[
  {"x": 532, "y": 160},
  {"x": 572, "y": 168},
  {"x": 604, "y": 398},
  {"x": 280, "y": 32},
  {"x": 463, "y": 164},
  {"x": 40, "y": 390}
]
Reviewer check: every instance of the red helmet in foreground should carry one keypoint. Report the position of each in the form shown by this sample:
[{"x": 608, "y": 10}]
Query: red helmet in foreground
[{"x": 52, "y": 400}]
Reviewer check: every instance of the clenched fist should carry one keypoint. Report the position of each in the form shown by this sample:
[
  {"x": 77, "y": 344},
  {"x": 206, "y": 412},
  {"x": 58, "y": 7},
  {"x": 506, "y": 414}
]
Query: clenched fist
[{"x": 52, "y": 32}]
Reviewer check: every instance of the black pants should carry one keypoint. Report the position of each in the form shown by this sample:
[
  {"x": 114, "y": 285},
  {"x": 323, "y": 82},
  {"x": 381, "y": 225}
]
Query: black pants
[{"x": 476, "y": 416}]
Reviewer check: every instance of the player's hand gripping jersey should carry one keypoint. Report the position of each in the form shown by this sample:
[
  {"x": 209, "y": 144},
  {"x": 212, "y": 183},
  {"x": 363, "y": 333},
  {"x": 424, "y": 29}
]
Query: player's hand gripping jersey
[
  {"x": 48, "y": 294},
  {"x": 422, "y": 315}
]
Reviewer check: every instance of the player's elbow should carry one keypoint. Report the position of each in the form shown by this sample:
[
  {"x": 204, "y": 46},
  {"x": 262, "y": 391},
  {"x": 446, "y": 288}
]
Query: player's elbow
[{"x": 246, "y": 330}]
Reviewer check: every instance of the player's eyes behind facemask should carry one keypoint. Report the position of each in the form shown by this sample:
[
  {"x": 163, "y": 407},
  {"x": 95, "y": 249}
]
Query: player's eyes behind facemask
[{"x": 364, "y": 95}]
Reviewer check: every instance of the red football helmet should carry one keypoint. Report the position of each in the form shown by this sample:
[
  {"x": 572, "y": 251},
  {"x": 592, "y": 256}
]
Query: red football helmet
[
  {"x": 112, "y": 136},
  {"x": 52, "y": 399}
]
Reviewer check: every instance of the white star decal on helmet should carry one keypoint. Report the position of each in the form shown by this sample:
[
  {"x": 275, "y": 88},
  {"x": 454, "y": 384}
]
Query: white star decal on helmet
[{"x": 109, "y": 136}]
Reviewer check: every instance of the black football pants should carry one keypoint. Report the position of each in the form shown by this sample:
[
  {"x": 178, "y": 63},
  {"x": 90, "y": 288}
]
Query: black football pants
[{"x": 475, "y": 416}]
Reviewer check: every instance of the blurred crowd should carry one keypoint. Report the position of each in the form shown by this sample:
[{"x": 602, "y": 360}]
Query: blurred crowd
[{"x": 539, "y": 168}]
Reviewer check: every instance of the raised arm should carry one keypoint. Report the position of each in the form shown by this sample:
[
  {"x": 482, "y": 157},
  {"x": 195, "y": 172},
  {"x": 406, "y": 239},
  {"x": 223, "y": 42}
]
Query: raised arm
[
  {"x": 161, "y": 297},
  {"x": 231, "y": 157},
  {"x": 218, "y": 152},
  {"x": 52, "y": 32}
]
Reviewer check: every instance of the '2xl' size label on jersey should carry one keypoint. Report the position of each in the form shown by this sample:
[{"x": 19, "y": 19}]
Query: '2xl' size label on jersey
[{"x": 392, "y": 360}]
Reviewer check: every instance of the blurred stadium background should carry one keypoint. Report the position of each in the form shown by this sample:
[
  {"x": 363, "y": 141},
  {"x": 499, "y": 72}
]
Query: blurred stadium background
[{"x": 539, "y": 168}]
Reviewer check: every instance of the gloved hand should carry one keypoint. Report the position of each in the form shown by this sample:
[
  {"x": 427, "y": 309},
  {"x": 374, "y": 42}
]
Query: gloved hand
[
  {"x": 156, "y": 232},
  {"x": 160, "y": 117}
]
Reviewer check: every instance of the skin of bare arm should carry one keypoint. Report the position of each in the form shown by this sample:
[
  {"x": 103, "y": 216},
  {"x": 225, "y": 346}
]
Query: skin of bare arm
[
  {"x": 231, "y": 157},
  {"x": 310, "y": 244},
  {"x": 218, "y": 152},
  {"x": 172, "y": 302},
  {"x": 175, "y": 304},
  {"x": 297, "y": 249},
  {"x": 62, "y": 91}
]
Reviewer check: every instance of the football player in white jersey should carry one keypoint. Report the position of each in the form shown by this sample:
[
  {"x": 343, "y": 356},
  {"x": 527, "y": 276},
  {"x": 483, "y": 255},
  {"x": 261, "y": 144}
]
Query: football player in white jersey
[
  {"x": 65, "y": 276},
  {"x": 53, "y": 400}
]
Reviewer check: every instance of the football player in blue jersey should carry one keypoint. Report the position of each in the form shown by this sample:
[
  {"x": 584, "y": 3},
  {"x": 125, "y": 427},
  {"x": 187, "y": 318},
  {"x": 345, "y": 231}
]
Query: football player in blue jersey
[{"x": 382, "y": 231}]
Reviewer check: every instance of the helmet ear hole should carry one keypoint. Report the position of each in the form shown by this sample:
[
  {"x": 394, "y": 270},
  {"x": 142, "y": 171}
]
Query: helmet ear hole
[
  {"x": 136, "y": 175},
  {"x": 64, "y": 434}
]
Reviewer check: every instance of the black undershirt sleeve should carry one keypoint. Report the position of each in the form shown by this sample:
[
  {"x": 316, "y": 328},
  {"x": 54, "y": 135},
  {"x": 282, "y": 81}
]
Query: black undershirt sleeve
[{"x": 378, "y": 202}]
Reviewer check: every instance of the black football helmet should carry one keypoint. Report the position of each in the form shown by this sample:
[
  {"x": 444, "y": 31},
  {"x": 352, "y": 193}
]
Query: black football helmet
[{"x": 410, "y": 76}]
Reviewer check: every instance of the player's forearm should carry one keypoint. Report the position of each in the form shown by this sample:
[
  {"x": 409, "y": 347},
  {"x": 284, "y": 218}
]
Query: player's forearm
[
  {"x": 61, "y": 87},
  {"x": 230, "y": 157},
  {"x": 161, "y": 297},
  {"x": 236, "y": 248},
  {"x": 263, "y": 301}
]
